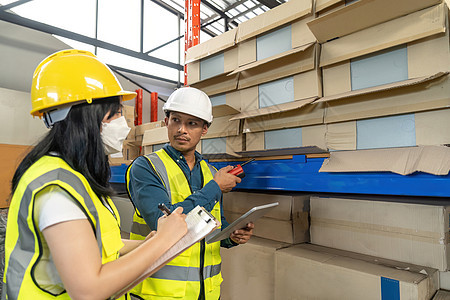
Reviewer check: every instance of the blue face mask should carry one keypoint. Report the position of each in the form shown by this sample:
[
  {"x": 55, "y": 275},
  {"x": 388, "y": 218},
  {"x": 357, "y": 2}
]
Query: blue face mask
[{"x": 113, "y": 134}]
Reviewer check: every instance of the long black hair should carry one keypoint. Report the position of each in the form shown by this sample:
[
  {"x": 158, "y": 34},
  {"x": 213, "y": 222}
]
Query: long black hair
[{"x": 77, "y": 140}]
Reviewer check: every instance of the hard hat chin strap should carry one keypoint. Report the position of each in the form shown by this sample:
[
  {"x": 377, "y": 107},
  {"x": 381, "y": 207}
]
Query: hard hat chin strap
[{"x": 56, "y": 115}]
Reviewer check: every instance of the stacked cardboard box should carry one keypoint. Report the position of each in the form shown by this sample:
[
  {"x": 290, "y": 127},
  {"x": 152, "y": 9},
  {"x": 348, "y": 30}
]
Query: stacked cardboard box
[
  {"x": 385, "y": 74},
  {"x": 341, "y": 75},
  {"x": 408, "y": 232},
  {"x": 130, "y": 149},
  {"x": 209, "y": 64},
  {"x": 308, "y": 271},
  {"x": 263, "y": 75},
  {"x": 151, "y": 136},
  {"x": 288, "y": 222},
  {"x": 249, "y": 271}
]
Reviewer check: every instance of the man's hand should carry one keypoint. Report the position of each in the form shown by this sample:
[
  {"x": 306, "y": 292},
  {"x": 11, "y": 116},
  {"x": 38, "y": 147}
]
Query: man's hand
[
  {"x": 241, "y": 236},
  {"x": 225, "y": 180}
]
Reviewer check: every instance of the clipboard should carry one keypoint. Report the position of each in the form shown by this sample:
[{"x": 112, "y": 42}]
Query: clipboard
[
  {"x": 200, "y": 223},
  {"x": 250, "y": 216}
]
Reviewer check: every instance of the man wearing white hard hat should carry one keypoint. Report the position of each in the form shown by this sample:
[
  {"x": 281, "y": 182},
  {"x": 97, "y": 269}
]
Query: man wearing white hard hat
[{"x": 177, "y": 175}]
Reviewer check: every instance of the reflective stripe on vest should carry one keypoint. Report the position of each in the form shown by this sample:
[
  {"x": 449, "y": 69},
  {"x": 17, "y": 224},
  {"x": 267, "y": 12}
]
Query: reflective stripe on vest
[
  {"x": 184, "y": 269},
  {"x": 22, "y": 244}
]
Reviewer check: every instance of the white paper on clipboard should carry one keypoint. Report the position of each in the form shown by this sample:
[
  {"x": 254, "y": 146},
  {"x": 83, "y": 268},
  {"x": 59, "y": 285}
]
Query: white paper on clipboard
[{"x": 250, "y": 216}]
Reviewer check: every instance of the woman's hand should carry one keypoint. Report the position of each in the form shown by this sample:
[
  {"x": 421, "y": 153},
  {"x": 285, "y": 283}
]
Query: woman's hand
[{"x": 173, "y": 227}]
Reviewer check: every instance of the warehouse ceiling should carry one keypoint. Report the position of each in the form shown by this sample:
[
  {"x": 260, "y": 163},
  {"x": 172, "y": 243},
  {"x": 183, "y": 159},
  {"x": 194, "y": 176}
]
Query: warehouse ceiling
[{"x": 142, "y": 40}]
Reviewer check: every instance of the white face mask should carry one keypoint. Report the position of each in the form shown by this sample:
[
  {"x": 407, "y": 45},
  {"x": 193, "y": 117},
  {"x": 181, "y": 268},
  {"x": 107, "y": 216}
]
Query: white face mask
[{"x": 113, "y": 134}]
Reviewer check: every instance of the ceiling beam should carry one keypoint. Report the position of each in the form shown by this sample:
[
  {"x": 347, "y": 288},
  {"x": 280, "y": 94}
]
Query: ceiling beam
[
  {"x": 269, "y": 3},
  {"x": 15, "y": 19},
  {"x": 14, "y": 4}
]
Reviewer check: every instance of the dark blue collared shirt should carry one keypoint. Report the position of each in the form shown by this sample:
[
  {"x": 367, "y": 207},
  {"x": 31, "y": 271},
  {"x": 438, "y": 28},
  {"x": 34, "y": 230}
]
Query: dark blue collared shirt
[{"x": 147, "y": 190}]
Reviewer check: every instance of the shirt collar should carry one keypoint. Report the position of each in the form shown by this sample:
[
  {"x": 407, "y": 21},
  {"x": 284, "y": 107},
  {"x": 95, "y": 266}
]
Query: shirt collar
[{"x": 175, "y": 154}]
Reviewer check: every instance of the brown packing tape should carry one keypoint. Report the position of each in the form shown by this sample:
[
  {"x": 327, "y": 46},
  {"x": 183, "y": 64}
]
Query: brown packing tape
[
  {"x": 429, "y": 159},
  {"x": 212, "y": 46},
  {"x": 277, "y": 16},
  {"x": 410, "y": 28},
  {"x": 429, "y": 95},
  {"x": 363, "y": 14},
  {"x": 382, "y": 230}
]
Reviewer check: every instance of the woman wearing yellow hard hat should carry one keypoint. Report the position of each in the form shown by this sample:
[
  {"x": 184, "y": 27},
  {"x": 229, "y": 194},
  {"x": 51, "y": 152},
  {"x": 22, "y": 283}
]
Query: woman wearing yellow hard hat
[{"x": 63, "y": 236}]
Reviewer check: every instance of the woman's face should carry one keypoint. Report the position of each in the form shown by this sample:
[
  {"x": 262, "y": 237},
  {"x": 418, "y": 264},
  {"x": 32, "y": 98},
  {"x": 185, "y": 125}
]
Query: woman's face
[{"x": 112, "y": 115}]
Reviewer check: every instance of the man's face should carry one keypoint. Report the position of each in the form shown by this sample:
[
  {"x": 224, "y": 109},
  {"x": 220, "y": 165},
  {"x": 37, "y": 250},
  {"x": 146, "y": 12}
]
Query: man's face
[{"x": 185, "y": 131}]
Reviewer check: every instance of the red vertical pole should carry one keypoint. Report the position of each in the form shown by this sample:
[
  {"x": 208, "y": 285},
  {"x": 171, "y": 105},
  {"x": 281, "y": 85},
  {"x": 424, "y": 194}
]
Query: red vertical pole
[
  {"x": 138, "y": 108},
  {"x": 191, "y": 28},
  {"x": 154, "y": 107}
]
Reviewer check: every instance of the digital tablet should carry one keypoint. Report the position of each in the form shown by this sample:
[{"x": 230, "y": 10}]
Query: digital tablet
[{"x": 251, "y": 216}]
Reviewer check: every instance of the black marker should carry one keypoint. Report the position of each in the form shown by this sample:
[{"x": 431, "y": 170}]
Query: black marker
[{"x": 164, "y": 209}]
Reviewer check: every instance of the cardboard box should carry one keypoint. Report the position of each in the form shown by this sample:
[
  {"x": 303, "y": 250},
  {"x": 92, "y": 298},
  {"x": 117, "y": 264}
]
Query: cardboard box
[
  {"x": 128, "y": 154},
  {"x": 226, "y": 136},
  {"x": 429, "y": 159},
  {"x": 442, "y": 295},
  {"x": 288, "y": 222},
  {"x": 310, "y": 136},
  {"x": 288, "y": 231},
  {"x": 413, "y": 27},
  {"x": 308, "y": 271},
  {"x": 412, "y": 233},
  {"x": 217, "y": 85},
  {"x": 307, "y": 115},
  {"x": 155, "y": 136},
  {"x": 276, "y": 17},
  {"x": 226, "y": 104},
  {"x": 426, "y": 93},
  {"x": 140, "y": 129},
  {"x": 221, "y": 146},
  {"x": 425, "y": 128},
  {"x": 423, "y": 33},
  {"x": 129, "y": 113},
  {"x": 223, "y": 44},
  {"x": 10, "y": 158},
  {"x": 295, "y": 61},
  {"x": 363, "y": 14},
  {"x": 248, "y": 270}
]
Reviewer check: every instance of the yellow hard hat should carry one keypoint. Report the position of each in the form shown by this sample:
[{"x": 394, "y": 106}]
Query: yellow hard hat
[{"x": 72, "y": 76}]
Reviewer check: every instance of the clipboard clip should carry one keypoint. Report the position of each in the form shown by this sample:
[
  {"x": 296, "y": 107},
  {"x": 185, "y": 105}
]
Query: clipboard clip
[{"x": 205, "y": 215}]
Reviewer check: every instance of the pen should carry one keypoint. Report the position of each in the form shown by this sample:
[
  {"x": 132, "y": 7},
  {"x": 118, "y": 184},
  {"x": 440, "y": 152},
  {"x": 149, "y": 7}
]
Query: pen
[{"x": 164, "y": 209}]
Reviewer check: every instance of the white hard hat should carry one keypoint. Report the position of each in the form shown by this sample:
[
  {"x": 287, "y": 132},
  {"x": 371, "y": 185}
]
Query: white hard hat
[{"x": 190, "y": 101}]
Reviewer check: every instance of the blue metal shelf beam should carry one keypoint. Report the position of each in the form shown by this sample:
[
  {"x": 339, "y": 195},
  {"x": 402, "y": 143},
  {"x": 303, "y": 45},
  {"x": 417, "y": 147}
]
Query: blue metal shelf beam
[{"x": 301, "y": 174}]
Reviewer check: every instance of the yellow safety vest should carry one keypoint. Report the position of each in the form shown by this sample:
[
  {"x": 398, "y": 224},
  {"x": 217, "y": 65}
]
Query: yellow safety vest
[
  {"x": 23, "y": 248},
  {"x": 181, "y": 277}
]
